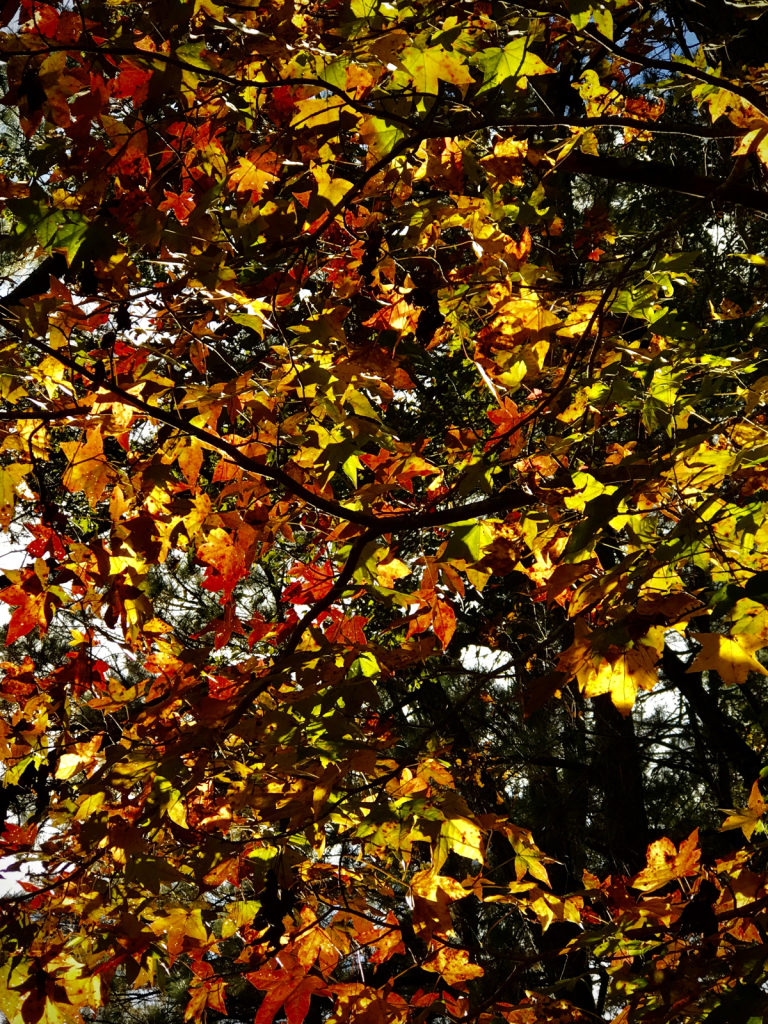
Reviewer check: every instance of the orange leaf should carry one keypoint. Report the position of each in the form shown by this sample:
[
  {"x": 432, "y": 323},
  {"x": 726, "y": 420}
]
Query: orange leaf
[
  {"x": 453, "y": 965},
  {"x": 87, "y": 469},
  {"x": 227, "y": 560},
  {"x": 443, "y": 621}
]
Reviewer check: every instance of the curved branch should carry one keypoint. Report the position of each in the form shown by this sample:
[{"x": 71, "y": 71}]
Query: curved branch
[
  {"x": 746, "y": 92},
  {"x": 699, "y": 131},
  {"x": 218, "y": 76},
  {"x": 506, "y": 500}
]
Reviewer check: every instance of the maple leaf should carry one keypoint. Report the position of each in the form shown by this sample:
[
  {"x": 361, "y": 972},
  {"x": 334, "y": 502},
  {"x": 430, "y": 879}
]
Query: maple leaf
[
  {"x": 254, "y": 172},
  {"x": 87, "y": 470},
  {"x": 330, "y": 189},
  {"x": 746, "y": 818},
  {"x": 380, "y": 137},
  {"x": 434, "y": 64},
  {"x": 666, "y": 863},
  {"x": 181, "y": 204},
  {"x": 226, "y": 558},
  {"x": 514, "y": 61},
  {"x": 79, "y": 757},
  {"x": 34, "y": 605},
  {"x": 289, "y": 987},
  {"x": 453, "y": 965},
  {"x": 304, "y": 239},
  {"x": 11, "y": 478},
  {"x": 615, "y": 671},
  {"x": 204, "y": 994},
  {"x": 732, "y": 657},
  {"x": 184, "y": 930}
]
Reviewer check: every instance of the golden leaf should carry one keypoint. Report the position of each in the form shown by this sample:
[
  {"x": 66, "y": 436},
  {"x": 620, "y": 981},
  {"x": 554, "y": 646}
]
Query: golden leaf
[
  {"x": 731, "y": 657},
  {"x": 665, "y": 863},
  {"x": 745, "y": 818}
]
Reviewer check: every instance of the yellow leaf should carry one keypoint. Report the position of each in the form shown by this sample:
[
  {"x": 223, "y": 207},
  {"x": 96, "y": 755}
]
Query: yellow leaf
[
  {"x": 391, "y": 570},
  {"x": 87, "y": 471},
  {"x": 665, "y": 863},
  {"x": 514, "y": 61},
  {"x": 90, "y": 805},
  {"x": 51, "y": 374},
  {"x": 240, "y": 914},
  {"x": 429, "y": 884},
  {"x": 453, "y": 965},
  {"x": 332, "y": 190},
  {"x": 731, "y": 657},
  {"x": 745, "y": 818},
  {"x": 190, "y": 461},
  {"x": 254, "y": 171},
  {"x": 379, "y": 136},
  {"x": 548, "y": 908},
  {"x": 463, "y": 837},
  {"x": 618, "y": 672},
  {"x": 429, "y": 66},
  {"x": 79, "y": 757},
  {"x": 10, "y": 478},
  {"x": 755, "y": 141}
]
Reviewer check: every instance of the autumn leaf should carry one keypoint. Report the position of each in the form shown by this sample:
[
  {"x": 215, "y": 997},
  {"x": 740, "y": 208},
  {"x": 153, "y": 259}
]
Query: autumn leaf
[
  {"x": 225, "y": 558},
  {"x": 78, "y": 757},
  {"x": 514, "y": 61},
  {"x": 732, "y": 657},
  {"x": 666, "y": 863},
  {"x": 443, "y": 621},
  {"x": 34, "y": 605},
  {"x": 434, "y": 64},
  {"x": 746, "y": 818},
  {"x": 453, "y": 965},
  {"x": 287, "y": 987},
  {"x": 352, "y": 473},
  {"x": 87, "y": 470},
  {"x": 11, "y": 478},
  {"x": 331, "y": 189}
]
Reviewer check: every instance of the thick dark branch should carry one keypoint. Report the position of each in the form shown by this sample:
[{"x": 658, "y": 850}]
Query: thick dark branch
[
  {"x": 637, "y": 172},
  {"x": 43, "y": 415}
]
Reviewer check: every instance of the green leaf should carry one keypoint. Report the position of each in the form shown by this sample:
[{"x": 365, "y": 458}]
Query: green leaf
[
  {"x": 63, "y": 230},
  {"x": 515, "y": 61},
  {"x": 468, "y": 541}
]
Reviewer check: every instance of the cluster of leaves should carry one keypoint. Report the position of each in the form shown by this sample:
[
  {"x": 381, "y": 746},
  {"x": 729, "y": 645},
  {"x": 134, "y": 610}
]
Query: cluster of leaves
[{"x": 348, "y": 335}]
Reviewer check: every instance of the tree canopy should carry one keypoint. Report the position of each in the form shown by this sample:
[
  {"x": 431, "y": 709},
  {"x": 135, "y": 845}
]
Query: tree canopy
[{"x": 383, "y": 473}]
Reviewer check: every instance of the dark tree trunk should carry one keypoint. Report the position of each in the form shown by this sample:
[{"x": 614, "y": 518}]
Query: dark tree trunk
[{"x": 618, "y": 778}]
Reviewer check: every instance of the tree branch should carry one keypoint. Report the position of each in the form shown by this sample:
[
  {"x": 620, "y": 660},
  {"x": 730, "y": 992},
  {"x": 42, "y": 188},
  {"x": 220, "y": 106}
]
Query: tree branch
[
  {"x": 637, "y": 172},
  {"x": 336, "y": 590},
  {"x": 508, "y": 499},
  {"x": 746, "y": 92}
]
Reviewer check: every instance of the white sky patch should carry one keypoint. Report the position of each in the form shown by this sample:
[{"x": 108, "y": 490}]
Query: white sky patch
[{"x": 478, "y": 658}]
